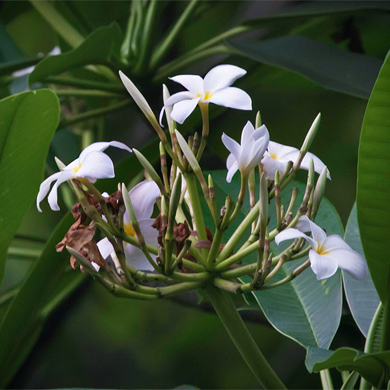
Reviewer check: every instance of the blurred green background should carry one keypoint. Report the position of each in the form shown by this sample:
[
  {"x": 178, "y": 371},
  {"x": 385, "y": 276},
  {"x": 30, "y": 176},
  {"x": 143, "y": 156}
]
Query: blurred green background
[{"x": 93, "y": 340}]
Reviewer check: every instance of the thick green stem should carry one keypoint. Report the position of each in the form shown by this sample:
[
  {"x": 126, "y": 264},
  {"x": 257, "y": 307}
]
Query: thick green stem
[
  {"x": 326, "y": 380},
  {"x": 227, "y": 312}
]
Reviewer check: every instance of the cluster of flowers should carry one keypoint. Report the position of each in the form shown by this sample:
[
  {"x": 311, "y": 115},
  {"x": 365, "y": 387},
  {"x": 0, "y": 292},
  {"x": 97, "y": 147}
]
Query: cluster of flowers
[{"x": 326, "y": 254}]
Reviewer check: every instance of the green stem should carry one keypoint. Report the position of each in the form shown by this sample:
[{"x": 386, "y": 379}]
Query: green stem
[
  {"x": 326, "y": 380},
  {"x": 235, "y": 326},
  {"x": 93, "y": 113},
  {"x": 162, "y": 49},
  {"x": 217, "y": 239},
  {"x": 73, "y": 82}
]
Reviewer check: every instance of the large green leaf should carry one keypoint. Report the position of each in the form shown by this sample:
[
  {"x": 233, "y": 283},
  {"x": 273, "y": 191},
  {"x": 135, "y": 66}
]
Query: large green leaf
[
  {"x": 306, "y": 310},
  {"x": 97, "y": 48},
  {"x": 333, "y": 68},
  {"x": 44, "y": 287},
  {"x": 362, "y": 297},
  {"x": 370, "y": 366},
  {"x": 27, "y": 124},
  {"x": 373, "y": 185}
]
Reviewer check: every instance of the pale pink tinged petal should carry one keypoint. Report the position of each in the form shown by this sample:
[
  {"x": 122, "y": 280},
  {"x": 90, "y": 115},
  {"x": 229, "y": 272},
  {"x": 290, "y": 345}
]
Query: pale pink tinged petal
[
  {"x": 323, "y": 266},
  {"x": 318, "y": 164},
  {"x": 261, "y": 132},
  {"x": 105, "y": 247},
  {"x": 232, "y": 98},
  {"x": 96, "y": 165},
  {"x": 230, "y": 161},
  {"x": 45, "y": 187},
  {"x": 304, "y": 224},
  {"x": 53, "y": 196},
  {"x": 247, "y": 134},
  {"x": 351, "y": 262},
  {"x": 191, "y": 82},
  {"x": 232, "y": 146},
  {"x": 290, "y": 234},
  {"x": 232, "y": 170},
  {"x": 183, "y": 109},
  {"x": 100, "y": 147},
  {"x": 222, "y": 76},
  {"x": 271, "y": 166},
  {"x": 136, "y": 259},
  {"x": 143, "y": 197}
]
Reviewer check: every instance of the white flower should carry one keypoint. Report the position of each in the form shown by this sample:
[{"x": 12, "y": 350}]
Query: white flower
[
  {"x": 214, "y": 88},
  {"x": 326, "y": 253},
  {"x": 92, "y": 164},
  {"x": 143, "y": 197},
  {"x": 277, "y": 156},
  {"x": 246, "y": 156}
]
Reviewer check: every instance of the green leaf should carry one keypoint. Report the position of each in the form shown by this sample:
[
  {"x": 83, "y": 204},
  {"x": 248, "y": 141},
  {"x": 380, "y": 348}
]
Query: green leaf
[
  {"x": 302, "y": 12},
  {"x": 27, "y": 124},
  {"x": 44, "y": 287},
  {"x": 97, "y": 48},
  {"x": 333, "y": 68},
  {"x": 351, "y": 381},
  {"x": 361, "y": 295},
  {"x": 373, "y": 184},
  {"x": 306, "y": 310},
  {"x": 369, "y": 366}
]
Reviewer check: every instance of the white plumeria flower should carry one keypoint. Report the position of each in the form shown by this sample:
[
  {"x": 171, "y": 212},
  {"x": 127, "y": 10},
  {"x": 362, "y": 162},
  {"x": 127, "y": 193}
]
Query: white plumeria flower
[
  {"x": 214, "y": 88},
  {"x": 277, "y": 157},
  {"x": 92, "y": 164},
  {"x": 246, "y": 156},
  {"x": 326, "y": 253},
  {"x": 143, "y": 197}
]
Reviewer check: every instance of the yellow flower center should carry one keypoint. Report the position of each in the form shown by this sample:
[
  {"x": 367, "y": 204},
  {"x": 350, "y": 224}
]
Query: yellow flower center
[
  {"x": 322, "y": 251},
  {"x": 273, "y": 155},
  {"x": 77, "y": 168},
  {"x": 128, "y": 227},
  {"x": 206, "y": 96}
]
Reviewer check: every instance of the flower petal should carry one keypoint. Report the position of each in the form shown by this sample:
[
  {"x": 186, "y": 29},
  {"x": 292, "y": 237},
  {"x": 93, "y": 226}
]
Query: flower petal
[
  {"x": 232, "y": 146},
  {"x": 45, "y": 187},
  {"x": 222, "y": 76},
  {"x": 231, "y": 97},
  {"x": 183, "y": 109},
  {"x": 231, "y": 171},
  {"x": 280, "y": 151},
  {"x": 105, "y": 247},
  {"x": 261, "y": 132},
  {"x": 306, "y": 225},
  {"x": 143, "y": 197},
  {"x": 271, "y": 166},
  {"x": 323, "y": 266},
  {"x": 247, "y": 134},
  {"x": 191, "y": 82},
  {"x": 289, "y": 234},
  {"x": 318, "y": 164},
  {"x": 230, "y": 161},
  {"x": 96, "y": 165},
  {"x": 101, "y": 146},
  {"x": 259, "y": 148},
  {"x": 53, "y": 196}
]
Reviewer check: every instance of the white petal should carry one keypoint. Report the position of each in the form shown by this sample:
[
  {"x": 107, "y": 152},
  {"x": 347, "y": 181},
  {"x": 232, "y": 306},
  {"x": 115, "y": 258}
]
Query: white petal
[
  {"x": 232, "y": 170},
  {"x": 222, "y": 76},
  {"x": 261, "y": 132},
  {"x": 143, "y": 197},
  {"x": 96, "y": 165},
  {"x": 271, "y": 166},
  {"x": 178, "y": 97},
  {"x": 289, "y": 234},
  {"x": 101, "y": 146},
  {"x": 231, "y": 97},
  {"x": 281, "y": 151},
  {"x": 305, "y": 225},
  {"x": 232, "y": 146},
  {"x": 230, "y": 161},
  {"x": 183, "y": 109},
  {"x": 105, "y": 247},
  {"x": 150, "y": 233},
  {"x": 323, "y": 266},
  {"x": 318, "y": 164},
  {"x": 45, "y": 187},
  {"x": 191, "y": 82},
  {"x": 53, "y": 196},
  {"x": 258, "y": 151},
  {"x": 247, "y": 134}
]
